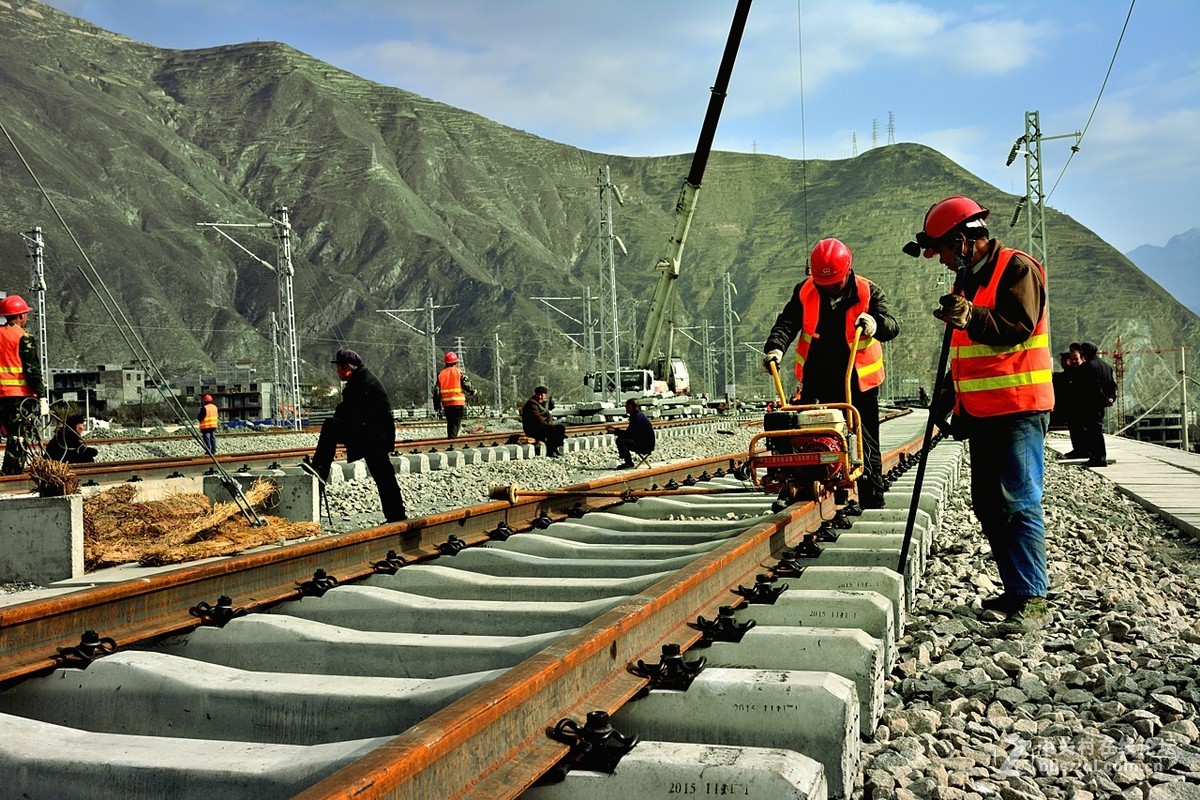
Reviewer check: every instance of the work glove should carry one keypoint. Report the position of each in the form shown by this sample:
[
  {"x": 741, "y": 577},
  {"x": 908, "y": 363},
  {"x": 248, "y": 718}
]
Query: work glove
[
  {"x": 43, "y": 407},
  {"x": 955, "y": 311},
  {"x": 772, "y": 355},
  {"x": 867, "y": 323}
]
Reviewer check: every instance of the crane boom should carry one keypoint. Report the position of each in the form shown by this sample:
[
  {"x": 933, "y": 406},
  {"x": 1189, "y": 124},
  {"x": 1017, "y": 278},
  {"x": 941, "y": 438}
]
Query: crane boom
[{"x": 685, "y": 206}]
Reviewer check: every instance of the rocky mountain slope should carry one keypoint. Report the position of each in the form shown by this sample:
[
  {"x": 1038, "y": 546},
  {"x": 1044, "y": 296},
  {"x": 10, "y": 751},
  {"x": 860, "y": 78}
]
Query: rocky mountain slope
[{"x": 396, "y": 199}]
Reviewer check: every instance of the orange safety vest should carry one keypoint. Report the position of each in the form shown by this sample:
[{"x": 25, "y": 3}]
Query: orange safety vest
[
  {"x": 209, "y": 423},
  {"x": 450, "y": 387},
  {"x": 991, "y": 380},
  {"x": 868, "y": 361},
  {"x": 12, "y": 371}
]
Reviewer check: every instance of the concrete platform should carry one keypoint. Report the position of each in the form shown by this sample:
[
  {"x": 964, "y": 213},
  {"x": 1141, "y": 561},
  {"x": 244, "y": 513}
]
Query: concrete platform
[
  {"x": 270, "y": 642},
  {"x": 679, "y": 769},
  {"x": 847, "y": 652},
  {"x": 368, "y": 608},
  {"x": 148, "y": 693},
  {"x": 814, "y": 713},
  {"x": 819, "y": 608},
  {"x": 432, "y": 580},
  {"x": 41, "y": 760},
  {"x": 1164, "y": 480}
]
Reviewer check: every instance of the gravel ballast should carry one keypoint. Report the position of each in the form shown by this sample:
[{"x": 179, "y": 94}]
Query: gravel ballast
[{"x": 1101, "y": 703}]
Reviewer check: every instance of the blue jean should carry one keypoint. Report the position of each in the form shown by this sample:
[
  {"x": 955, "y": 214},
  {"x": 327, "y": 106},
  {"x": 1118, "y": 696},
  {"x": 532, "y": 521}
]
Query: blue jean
[
  {"x": 1007, "y": 477},
  {"x": 210, "y": 441}
]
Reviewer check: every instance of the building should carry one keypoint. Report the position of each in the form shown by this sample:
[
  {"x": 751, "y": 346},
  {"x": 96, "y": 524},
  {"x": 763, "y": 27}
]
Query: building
[{"x": 100, "y": 389}]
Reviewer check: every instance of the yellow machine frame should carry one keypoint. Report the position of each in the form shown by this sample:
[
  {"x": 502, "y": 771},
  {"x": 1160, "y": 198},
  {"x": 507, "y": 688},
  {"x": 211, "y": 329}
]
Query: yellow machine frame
[{"x": 763, "y": 459}]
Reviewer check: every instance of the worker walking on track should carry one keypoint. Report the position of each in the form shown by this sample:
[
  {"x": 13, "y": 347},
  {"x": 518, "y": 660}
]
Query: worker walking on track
[
  {"x": 822, "y": 314},
  {"x": 1000, "y": 392},
  {"x": 451, "y": 393},
  {"x": 207, "y": 421},
  {"x": 21, "y": 385},
  {"x": 363, "y": 422}
]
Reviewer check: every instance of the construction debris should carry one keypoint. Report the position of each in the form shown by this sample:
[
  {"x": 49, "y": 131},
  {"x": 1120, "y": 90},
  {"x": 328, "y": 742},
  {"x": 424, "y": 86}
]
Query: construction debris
[
  {"x": 183, "y": 527},
  {"x": 52, "y": 478}
]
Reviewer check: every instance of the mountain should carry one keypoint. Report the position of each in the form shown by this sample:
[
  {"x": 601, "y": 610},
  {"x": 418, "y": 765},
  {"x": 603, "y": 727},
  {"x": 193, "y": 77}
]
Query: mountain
[
  {"x": 396, "y": 200},
  {"x": 1174, "y": 267}
]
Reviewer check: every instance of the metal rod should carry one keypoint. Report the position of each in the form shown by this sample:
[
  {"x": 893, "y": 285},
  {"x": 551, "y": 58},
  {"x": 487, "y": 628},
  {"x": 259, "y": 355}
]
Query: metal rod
[
  {"x": 512, "y": 493},
  {"x": 916, "y": 495}
]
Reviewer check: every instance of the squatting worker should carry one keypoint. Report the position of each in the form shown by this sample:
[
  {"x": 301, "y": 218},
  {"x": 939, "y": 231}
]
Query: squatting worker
[
  {"x": 824, "y": 310},
  {"x": 538, "y": 423},
  {"x": 67, "y": 443},
  {"x": 451, "y": 393},
  {"x": 636, "y": 437},
  {"x": 363, "y": 422},
  {"x": 20, "y": 380},
  {"x": 1001, "y": 391},
  {"x": 207, "y": 419}
]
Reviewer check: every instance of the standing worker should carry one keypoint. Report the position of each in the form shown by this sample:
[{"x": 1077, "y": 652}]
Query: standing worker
[
  {"x": 363, "y": 422},
  {"x": 1001, "y": 393},
  {"x": 824, "y": 310},
  {"x": 20, "y": 380},
  {"x": 207, "y": 419},
  {"x": 451, "y": 393},
  {"x": 1095, "y": 391}
]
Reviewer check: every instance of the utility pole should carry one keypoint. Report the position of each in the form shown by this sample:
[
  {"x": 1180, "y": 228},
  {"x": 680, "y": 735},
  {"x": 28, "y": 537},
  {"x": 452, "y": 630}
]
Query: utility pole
[
  {"x": 610, "y": 324},
  {"x": 276, "y": 397},
  {"x": 497, "y": 399},
  {"x": 458, "y": 348},
  {"x": 430, "y": 333},
  {"x": 37, "y": 287},
  {"x": 287, "y": 311},
  {"x": 730, "y": 367},
  {"x": 1031, "y": 145},
  {"x": 287, "y": 385},
  {"x": 1183, "y": 387}
]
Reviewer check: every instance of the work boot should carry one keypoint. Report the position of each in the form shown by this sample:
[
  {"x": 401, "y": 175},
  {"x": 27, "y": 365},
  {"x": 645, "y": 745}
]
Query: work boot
[
  {"x": 1032, "y": 615},
  {"x": 1003, "y": 603},
  {"x": 1097, "y": 462},
  {"x": 1075, "y": 454},
  {"x": 401, "y": 517}
]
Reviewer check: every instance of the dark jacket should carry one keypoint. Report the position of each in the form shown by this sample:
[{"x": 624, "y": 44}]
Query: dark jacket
[
  {"x": 830, "y": 352},
  {"x": 1094, "y": 388},
  {"x": 536, "y": 418},
  {"x": 640, "y": 433},
  {"x": 68, "y": 446},
  {"x": 366, "y": 414}
]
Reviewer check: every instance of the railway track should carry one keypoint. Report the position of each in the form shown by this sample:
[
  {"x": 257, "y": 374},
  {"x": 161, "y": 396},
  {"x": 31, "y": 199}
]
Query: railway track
[
  {"x": 429, "y": 659},
  {"x": 407, "y": 441}
]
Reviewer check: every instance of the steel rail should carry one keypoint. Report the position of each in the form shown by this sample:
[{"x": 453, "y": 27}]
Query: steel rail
[
  {"x": 491, "y": 744},
  {"x": 163, "y": 467},
  {"x": 137, "y": 610}
]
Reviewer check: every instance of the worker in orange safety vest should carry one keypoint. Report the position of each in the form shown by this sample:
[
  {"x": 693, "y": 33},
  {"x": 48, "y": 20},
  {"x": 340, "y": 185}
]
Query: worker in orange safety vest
[
  {"x": 22, "y": 389},
  {"x": 208, "y": 420},
  {"x": 451, "y": 393},
  {"x": 821, "y": 315}
]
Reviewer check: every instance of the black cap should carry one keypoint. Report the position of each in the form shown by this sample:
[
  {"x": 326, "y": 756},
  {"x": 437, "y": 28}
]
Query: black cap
[{"x": 347, "y": 358}]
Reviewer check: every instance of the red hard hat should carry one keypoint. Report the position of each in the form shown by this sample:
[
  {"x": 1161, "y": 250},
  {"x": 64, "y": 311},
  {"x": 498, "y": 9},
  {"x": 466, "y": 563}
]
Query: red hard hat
[
  {"x": 452, "y": 357},
  {"x": 12, "y": 305},
  {"x": 948, "y": 214},
  {"x": 208, "y": 398},
  {"x": 830, "y": 262}
]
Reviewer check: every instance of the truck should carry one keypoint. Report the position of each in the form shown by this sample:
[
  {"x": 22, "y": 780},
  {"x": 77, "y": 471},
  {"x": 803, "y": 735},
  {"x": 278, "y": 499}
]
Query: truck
[{"x": 654, "y": 373}]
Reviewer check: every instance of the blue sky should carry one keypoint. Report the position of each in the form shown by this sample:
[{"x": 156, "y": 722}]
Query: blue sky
[{"x": 815, "y": 78}]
